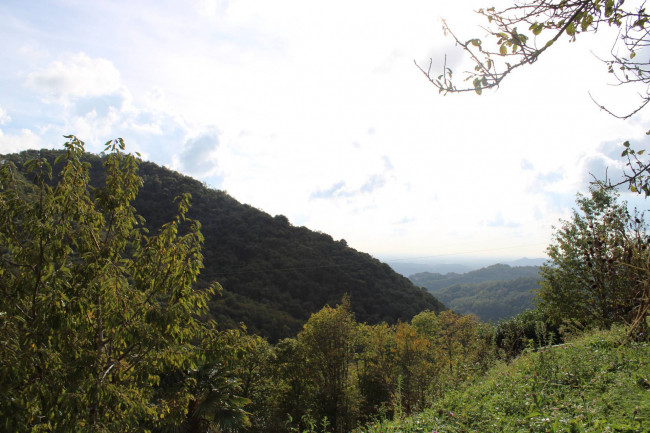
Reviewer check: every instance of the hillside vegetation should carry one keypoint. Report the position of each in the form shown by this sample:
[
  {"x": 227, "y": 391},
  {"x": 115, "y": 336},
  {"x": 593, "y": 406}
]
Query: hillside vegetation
[
  {"x": 274, "y": 275},
  {"x": 106, "y": 325},
  {"x": 493, "y": 293},
  {"x": 491, "y": 301},
  {"x": 596, "y": 383}
]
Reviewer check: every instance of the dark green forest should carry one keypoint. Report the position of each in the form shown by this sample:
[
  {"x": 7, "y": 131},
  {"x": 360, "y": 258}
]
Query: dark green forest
[{"x": 274, "y": 275}]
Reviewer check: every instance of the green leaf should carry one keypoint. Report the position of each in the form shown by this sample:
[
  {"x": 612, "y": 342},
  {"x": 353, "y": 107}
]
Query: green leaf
[
  {"x": 537, "y": 28},
  {"x": 571, "y": 29},
  {"x": 477, "y": 86},
  {"x": 503, "y": 50}
]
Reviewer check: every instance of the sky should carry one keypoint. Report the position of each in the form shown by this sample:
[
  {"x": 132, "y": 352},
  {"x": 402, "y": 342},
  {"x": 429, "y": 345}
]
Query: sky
[{"x": 316, "y": 111}]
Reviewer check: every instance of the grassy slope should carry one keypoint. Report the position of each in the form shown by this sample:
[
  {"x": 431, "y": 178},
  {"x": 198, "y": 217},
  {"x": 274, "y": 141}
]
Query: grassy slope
[{"x": 593, "y": 384}]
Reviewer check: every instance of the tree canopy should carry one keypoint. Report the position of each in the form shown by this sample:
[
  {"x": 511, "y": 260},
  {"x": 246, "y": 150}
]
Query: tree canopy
[
  {"x": 94, "y": 310},
  {"x": 596, "y": 274}
]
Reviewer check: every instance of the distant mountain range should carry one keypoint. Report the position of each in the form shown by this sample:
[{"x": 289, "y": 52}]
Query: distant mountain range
[
  {"x": 274, "y": 274},
  {"x": 492, "y": 293},
  {"x": 408, "y": 267}
]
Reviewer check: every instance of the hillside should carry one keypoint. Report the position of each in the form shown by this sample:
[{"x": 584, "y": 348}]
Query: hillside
[
  {"x": 492, "y": 293},
  {"x": 274, "y": 274},
  {"x": 463, "y": 265},
  {"x": 597, "y": 383},
  {"x": 499, "y": 272},
  {"x": 491, "y": 300}
]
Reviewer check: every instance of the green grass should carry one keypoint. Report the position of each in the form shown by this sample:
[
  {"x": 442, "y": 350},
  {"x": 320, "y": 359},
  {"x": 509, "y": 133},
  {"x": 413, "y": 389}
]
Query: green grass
[{"x": 594, "y": 384}]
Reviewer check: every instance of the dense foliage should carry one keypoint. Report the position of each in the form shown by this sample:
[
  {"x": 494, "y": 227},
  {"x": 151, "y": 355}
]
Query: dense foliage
[
  {"x": 339, "y": 373},
  {"x": 597, "y": 276},
  {"x": 597, "y": 272},
  {"x": 273, "y": 274},
  {"x": 94, "y": 311}
]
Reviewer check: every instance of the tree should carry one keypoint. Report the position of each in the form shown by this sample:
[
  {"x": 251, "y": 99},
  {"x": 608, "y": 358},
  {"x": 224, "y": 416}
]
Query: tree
[
  {"x": 519, "y": 34},
  {"x": 329, "y": 338},
  {"x": 293, "y": 383},
  {"x": 257, "y": 372},
  {"x": 216, "y": 388},
  {"x": 375, "y": 362},
  {"x": 426, "y": 324},
  {"x": 637, "y": 174},
  {"x": 457, "y": 336},
  {"x": 513, "y": 335},
  {"x": 94, "y": 311},
  {"x": 596, "y": 274},
  {"x": 415, "y": 369}
]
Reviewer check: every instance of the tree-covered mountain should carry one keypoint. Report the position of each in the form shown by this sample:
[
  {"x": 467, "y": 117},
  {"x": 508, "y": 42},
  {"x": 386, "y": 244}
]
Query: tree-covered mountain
[
  {"x": 492, "y": 293},
  {"x": 499, "y": 272},
  {"x": 491, "y": 300},
  {"x": 273, "y": 274}
]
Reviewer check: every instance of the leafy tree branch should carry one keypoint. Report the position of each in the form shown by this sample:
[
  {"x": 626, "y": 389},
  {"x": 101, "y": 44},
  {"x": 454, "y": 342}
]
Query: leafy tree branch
[{"x": 517, "y": 35}]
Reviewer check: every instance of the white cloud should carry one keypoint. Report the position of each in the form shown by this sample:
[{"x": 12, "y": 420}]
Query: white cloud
[
  {"x": 500, "y": 221},
  {"x": 85, "y": 96},
  {"x": 4, "y": 117},
  {"x": 198, "y": 157},
  {"x": 23, "y": 140},
  {"x": 76, "y": 75}
]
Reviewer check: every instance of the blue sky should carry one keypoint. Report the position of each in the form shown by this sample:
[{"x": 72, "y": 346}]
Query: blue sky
[{"x": 317, "y": 112}]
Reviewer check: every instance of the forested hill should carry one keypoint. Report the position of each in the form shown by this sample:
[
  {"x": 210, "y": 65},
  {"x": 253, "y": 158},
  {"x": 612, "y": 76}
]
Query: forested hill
[
  {"x": 491, "y": 301},
  {"x": 492, "y": 293},
  {"x": 499, "y": 272},
  {"x": 274, "y": 274}
]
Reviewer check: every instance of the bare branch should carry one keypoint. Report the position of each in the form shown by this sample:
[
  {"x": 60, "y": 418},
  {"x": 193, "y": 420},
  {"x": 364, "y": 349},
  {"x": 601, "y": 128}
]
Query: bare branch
[{"x": 626, "y": 116}]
